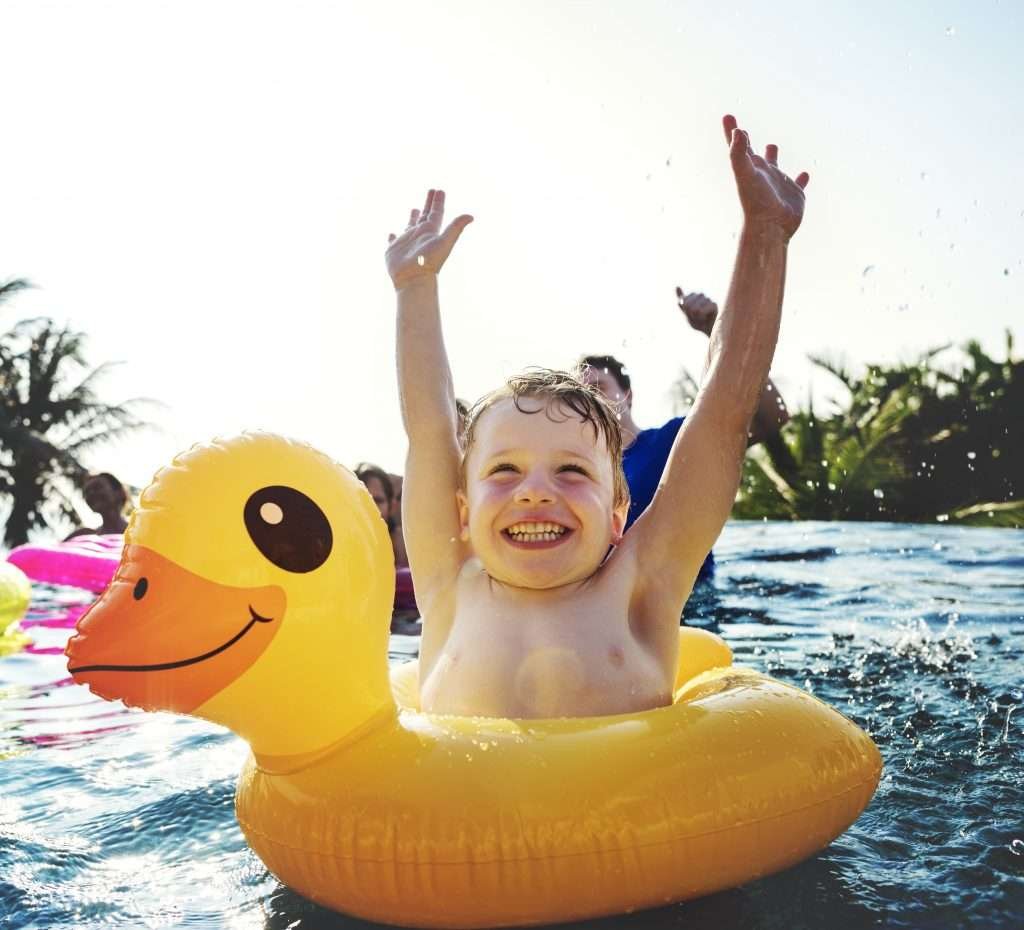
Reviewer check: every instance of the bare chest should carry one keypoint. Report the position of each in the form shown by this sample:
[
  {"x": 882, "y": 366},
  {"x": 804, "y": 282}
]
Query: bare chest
[{"x": 539, "y": 657}]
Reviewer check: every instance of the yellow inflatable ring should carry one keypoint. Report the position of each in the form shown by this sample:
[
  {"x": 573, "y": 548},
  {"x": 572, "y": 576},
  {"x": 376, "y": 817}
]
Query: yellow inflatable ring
[{"x": 255, "y": 591}]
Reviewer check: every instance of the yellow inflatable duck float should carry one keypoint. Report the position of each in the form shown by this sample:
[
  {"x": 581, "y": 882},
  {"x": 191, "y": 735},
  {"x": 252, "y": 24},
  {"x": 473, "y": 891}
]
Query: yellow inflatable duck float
[{"x": 255, "y": 591}]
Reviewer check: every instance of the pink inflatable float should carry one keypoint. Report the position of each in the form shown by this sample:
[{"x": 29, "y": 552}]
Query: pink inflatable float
[{"x": 87, "y": 562}]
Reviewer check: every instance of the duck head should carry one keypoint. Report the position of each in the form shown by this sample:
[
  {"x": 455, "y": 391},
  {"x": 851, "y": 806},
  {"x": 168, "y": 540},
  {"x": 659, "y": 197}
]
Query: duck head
[{"x": 255, "y": 591}]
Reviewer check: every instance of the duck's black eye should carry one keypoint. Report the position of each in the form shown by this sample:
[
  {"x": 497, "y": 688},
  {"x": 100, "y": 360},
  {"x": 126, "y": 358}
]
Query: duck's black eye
[{"x": 288, "y": 528}]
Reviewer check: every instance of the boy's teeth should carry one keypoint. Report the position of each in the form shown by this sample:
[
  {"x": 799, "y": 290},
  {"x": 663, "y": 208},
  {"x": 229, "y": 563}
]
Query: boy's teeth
[{"x": 535, "y": 532}]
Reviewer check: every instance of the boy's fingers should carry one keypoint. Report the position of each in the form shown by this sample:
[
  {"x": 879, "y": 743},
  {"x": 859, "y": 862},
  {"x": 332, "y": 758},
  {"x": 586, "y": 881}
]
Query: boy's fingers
[
  {"x": 437, "y": 208},
  {"x": 801, "y": 179},
  {"x": 414, "y": 215},
  {"x": 739, "y": 147},
  {"x": 728, "y": 124},
  {"x": 454, "y": 229},
  {"x": 427, "y": 203},
  {"x": 771, "y": 154}
]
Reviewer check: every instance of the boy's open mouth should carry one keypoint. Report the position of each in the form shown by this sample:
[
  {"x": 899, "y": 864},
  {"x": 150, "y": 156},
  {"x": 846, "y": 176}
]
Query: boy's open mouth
[{"x": 529, "y": 533}]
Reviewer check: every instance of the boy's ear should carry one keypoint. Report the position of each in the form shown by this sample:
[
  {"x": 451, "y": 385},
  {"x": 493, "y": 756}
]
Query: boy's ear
[
  {"x": 628, "y": 398},
  {"x": 463, "y": 504},
  {"x": 619, "y": 515}
]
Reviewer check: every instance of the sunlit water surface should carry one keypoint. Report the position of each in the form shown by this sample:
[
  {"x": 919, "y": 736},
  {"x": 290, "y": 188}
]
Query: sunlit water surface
[{"x": 117, "y": 818}]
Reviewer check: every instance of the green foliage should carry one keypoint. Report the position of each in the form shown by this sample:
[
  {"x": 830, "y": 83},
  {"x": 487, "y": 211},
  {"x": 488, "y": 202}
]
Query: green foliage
[
  {"x": 919, "y": 442},
  {"x": 50, "y": 415},
  {"x": 915, "y": 442}
]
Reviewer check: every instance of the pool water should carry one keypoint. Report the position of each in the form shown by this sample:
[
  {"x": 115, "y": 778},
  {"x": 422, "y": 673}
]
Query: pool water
[{"x": 115, "y": 818}]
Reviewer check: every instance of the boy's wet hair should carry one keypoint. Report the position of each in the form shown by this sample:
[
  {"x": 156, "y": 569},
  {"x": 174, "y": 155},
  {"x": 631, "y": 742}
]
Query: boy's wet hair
[
  {"x": 559, "y": 389},
  {"x": 366, "y": 470},
  {"x": 609, "y": 364}
]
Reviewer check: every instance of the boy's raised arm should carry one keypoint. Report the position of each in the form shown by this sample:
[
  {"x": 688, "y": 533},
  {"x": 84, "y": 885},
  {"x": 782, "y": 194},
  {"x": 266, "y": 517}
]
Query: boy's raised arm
[
  {"x": 702, "y": 474},
  {"x": 429, "y": 512}
]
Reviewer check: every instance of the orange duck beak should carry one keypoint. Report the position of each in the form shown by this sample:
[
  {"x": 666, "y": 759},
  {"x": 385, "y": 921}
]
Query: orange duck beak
[{"x": 163, "y": 638}]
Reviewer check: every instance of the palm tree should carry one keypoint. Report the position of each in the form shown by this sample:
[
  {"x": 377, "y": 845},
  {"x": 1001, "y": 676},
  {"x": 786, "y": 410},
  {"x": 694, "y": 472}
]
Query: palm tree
[
  {"x": 50, "y": 415},
  {"x": 9, "y": 288}
]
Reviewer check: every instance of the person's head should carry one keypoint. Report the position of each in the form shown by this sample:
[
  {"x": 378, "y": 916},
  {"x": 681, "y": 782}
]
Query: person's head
[
  {"x": 378, "y": 483},
  {"x": 104, "y": 494},
  {"x": 609, "y": 376},
  {"x": 542, "y": 494}
]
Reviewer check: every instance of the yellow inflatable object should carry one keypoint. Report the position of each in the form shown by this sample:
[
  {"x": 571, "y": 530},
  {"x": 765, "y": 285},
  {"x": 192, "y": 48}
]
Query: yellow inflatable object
[
  {"x": 15, "y": 594},
  {"x": 255, "y": 591}
]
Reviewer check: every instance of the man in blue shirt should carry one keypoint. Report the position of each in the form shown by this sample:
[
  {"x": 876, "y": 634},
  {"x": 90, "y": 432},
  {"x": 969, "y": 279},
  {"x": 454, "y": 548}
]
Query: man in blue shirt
[{"x": 645, "y": 451}]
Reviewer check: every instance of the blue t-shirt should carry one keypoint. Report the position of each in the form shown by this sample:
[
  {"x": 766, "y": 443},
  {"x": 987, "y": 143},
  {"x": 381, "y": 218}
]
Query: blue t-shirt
[{"x": 643, "y": 462}]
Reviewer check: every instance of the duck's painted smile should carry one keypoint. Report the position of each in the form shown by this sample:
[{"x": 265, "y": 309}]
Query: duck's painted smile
[
  {"x": 166, "y": 666},
  {"x": 155, "y": 610}
]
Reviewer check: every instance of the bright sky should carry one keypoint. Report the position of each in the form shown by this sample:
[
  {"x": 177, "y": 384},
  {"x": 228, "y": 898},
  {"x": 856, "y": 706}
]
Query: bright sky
[{"x": 206, "y": 189}]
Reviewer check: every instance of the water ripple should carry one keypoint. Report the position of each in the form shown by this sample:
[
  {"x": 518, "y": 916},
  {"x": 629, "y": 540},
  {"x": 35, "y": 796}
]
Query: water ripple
[{"x": 111, "y": 817}]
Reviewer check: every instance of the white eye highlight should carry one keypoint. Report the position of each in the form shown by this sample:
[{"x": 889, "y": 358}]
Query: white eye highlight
[{"x": 271, "y": 513}]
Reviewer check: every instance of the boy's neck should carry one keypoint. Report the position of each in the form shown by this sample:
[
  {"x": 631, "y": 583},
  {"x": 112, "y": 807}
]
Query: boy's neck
[{"x": 567, "y": 590}]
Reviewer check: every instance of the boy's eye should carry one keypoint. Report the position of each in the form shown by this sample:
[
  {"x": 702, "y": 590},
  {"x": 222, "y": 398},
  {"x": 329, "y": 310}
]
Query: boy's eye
[
  {"x": 501, "y": 466},
  {"x": 578, "y": 469}
]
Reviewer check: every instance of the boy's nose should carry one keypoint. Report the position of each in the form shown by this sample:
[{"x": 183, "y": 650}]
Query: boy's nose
[{"x": 534, "y": 490}]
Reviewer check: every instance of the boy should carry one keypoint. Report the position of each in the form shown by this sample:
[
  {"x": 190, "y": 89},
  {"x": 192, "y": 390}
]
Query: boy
[{"x": 523, "y": 614}]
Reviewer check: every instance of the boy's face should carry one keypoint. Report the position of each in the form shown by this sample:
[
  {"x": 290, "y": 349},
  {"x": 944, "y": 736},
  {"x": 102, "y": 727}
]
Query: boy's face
[{"x": 538, "y": 504}]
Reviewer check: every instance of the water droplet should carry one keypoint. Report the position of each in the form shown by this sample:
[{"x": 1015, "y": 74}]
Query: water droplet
[
  {"x": 942, "y": 518},
  {"x": 879, "y": 493},
  {"x": 972, "y": 455},
  {"x": 950, "y": 31},
  {"x": 1017, "y": 847},
  {"x": 1006, "y": 272},
  {"x": 867, "y": 271}
]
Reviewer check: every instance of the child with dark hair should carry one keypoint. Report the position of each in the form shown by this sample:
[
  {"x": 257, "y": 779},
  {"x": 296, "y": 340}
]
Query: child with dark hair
[
  {"x": 378, "y": 483},
  {"x": 105, "y": 495},
  {"x": 508, "y": 532},
  {"x": 381, "y": 486}
]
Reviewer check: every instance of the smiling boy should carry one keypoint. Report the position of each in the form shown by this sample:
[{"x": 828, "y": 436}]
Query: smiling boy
[{"x": 508, "y": 532}]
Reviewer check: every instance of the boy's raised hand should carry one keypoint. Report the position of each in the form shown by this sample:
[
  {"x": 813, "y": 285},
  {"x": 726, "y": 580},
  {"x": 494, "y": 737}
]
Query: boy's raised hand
[
  {"x": 422, "y": 249},
  {"x": 767, "y": 194}
]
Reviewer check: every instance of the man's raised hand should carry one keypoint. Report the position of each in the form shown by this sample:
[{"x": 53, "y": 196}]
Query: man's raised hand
[
  {"x": 767, "y": 194},
  {"x": 422, "y": 248},
  {"x": 700, "y": 311}
]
